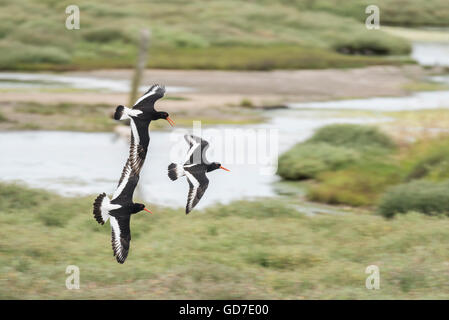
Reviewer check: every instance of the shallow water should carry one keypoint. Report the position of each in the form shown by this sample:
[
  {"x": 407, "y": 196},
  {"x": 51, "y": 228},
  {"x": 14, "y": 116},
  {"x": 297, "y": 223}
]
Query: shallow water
[
  {"x": 19, "y": 80},
  {"x": 416, "y": 101},
  {"x": 431, "y": 54}
]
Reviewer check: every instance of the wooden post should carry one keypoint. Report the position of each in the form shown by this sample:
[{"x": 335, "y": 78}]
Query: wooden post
[{"x": 140, "y": 66}]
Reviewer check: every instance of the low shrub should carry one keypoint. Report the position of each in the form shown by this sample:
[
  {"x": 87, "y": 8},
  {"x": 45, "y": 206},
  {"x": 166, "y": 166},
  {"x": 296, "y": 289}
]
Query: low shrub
[
  {"x": 431, "y": 198},
  {"x": 107, "y": 34},
  {"x": 374, "y": 45},
  {"x": 305, "y": 161},
  {"x": 429, "y": 160},
  {"x": 14, "y": 53},
  {"x": 353, "y": 136}
]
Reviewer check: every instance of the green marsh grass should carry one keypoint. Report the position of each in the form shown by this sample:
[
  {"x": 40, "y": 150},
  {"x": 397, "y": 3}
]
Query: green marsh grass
[{"x": 261, "y": 249}]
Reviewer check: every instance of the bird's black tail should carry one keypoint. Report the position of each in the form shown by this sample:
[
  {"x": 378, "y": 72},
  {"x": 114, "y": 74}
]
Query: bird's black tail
[
  {"x": 175, "y": 171},
  {"x": 119, "y": 112}
]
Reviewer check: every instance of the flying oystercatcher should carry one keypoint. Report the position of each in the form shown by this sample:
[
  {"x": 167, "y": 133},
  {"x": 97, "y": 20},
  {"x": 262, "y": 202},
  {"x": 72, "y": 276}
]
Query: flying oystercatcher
[
  {"x": 119, "y": 210},
  {"x": 194, "y": 169},
  {"x": 140, "y": 117}
]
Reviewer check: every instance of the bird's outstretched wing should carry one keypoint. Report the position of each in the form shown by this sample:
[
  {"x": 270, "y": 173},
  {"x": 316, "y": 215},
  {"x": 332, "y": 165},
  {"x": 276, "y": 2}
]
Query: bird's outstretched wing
[
  {"x": 137, "y": 154},
  {"x": 126, "y": 186},
  {"x": 120, "y": 237},
  {"x": 140, "y": 139},
  {"x": 197, "y": 150},
  {"x": 147, "y": 100},
  {"x": 198, "y": 183}
]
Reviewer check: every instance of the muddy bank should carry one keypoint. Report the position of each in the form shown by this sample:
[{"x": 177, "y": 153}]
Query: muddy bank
[{"x": 210, "y": 88}]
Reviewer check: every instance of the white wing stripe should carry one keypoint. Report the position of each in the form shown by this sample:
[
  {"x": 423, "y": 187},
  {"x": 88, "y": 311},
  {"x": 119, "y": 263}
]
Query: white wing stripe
[
  {"x": 192, "y": 179},
  {"x": 132, "y": 112},
  {"x": 192, "y": 195},
  {"x": 134, "y": 146},
  {"x": 192, "y": 150},
  {"x": 128, "y": 113},
  {"x": 122, "y": 185},
  {"x": 116, "y": 229},
  {"x": 153, "y": 91},
  {"x": 135, "y": 132}
]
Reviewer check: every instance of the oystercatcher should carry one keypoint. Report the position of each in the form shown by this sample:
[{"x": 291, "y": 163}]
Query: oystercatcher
[
  {"x": 140, "y": 117},
  {"x": 119, "y": 210},
  {"x": 194, "y": 169}
]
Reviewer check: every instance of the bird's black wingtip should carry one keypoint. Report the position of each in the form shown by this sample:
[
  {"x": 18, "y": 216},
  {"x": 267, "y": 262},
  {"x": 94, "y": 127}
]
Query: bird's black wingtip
[
  {"x": 158, "y": 88},
  {"x": 121, "y": 261},
  {"x": 97, "y": 208}
]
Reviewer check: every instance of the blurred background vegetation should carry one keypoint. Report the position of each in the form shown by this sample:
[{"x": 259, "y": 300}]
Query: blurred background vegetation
[{"x": 255, "y": 34}]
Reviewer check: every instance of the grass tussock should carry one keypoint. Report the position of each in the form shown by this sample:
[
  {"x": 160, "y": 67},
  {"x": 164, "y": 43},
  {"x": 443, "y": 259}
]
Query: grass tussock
[
  {"x": 245, "y": 250},
  {"x": 306, "y": 161},
  {"x": 333, "y": 148},
  {"x": 353, "y": 136},
  {"x": 421, "y": 196},
  {"x": 428, "y": 159},
  {"x": 60, "y": 116},
  {"x": 358, "y": 185}
]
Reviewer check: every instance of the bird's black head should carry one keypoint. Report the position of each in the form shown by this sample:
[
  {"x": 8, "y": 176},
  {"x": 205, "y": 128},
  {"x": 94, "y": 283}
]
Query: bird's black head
[
  {"x": 137, "y": 207},
  {"x": 163, "y": 115},
  {"x": 214, "y": 166}
]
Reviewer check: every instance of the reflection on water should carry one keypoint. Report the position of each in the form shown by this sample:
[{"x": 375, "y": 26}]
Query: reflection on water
[{"x": 73, "y": 163}]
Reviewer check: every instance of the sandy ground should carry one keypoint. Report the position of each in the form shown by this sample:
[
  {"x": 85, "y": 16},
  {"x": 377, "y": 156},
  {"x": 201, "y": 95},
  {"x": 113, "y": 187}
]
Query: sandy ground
[{"x": 221, "y": 88}]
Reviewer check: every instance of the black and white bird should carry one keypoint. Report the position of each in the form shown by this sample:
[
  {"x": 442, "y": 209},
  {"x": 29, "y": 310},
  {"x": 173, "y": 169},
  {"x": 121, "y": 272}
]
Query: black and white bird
[
  {"x": 194, "y": 169},
  {"x": 118, "y": 211},
  {"x": 140, "y": 115}
]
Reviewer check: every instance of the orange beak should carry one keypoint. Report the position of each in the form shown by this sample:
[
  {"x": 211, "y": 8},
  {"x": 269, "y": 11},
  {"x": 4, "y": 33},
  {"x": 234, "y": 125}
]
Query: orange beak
[
  {"x": 147, "y": 210},
  {"x": 172, "y": 123},
  {"x": 224, "y": 168}
]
